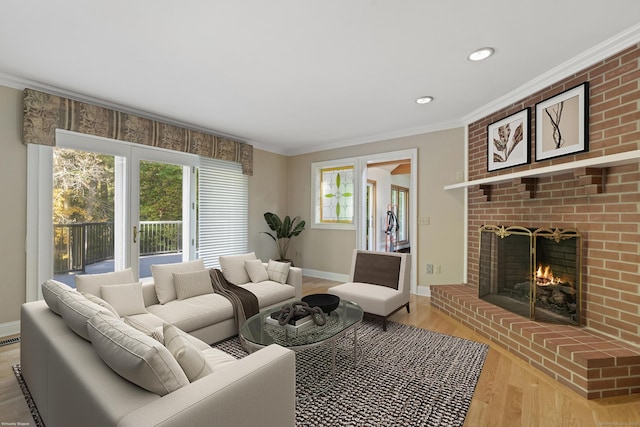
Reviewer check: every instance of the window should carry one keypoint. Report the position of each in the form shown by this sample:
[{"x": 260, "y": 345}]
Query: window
[
  {"x": 334, "y": 194},
  {"x": 223, "y": 210}
]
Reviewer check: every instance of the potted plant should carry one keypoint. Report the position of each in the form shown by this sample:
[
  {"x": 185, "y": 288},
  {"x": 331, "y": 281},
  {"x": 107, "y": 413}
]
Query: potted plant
[{"x": 283, "y": 231}]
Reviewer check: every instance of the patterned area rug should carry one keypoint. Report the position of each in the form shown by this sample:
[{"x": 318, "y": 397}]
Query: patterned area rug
[
  {"x": 405, "y": 376},
  {"x": 27, "y": 396}
]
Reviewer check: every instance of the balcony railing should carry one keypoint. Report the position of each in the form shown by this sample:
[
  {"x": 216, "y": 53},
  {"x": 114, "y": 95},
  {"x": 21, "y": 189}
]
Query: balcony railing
[{"x": 82, "y": 244}]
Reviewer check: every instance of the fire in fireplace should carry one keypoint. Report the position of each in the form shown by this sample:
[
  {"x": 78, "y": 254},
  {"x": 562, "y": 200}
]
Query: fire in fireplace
[{"x": 532, "y": 272}]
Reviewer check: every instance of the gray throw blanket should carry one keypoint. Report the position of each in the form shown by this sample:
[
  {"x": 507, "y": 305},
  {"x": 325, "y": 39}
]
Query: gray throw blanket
[{"x": 245, "y": 303}]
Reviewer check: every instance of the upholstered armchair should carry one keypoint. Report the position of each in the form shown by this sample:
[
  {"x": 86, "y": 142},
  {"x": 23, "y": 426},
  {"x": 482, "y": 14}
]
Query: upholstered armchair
[{"x": 379, "y": 282}]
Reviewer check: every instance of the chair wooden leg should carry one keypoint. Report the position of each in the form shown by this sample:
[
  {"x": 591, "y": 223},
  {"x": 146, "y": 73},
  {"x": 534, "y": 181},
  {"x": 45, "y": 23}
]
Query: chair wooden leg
[
  {"x": 408, "y": 311},
  {"x": 384, "y": 324}
]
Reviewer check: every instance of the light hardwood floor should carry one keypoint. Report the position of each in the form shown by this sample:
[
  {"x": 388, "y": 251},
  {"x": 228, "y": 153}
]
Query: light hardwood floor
[{"x": 509, "y": 393}]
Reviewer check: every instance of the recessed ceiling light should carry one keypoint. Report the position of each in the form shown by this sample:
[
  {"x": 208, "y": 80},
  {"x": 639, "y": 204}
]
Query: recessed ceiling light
[
  {"x": 481, "y": 54},
  {"x": 424, "y": 99}
]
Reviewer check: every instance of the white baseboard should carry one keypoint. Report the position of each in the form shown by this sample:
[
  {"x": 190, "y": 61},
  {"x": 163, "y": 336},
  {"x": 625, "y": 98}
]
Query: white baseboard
[
  {"x": 327, "y": 275},
  {"x": 424, "y": 291},
  {"x": 9, "y": 328}
]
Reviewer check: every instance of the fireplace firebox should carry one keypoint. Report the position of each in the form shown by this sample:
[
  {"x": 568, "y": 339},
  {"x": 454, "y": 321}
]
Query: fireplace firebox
[{"x": 532, "y": 272}]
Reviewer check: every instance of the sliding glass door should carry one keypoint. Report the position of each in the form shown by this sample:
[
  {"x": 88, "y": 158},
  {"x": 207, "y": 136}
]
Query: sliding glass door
[{"x": 115, "y": 205}]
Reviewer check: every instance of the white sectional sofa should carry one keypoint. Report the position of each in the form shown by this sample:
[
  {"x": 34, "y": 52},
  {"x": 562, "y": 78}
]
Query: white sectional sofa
[{"x": 93, "y": 360}]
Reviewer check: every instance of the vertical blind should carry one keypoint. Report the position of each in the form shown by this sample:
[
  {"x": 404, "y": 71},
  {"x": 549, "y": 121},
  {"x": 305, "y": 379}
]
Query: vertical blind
[{"x": 223, "y": 210}]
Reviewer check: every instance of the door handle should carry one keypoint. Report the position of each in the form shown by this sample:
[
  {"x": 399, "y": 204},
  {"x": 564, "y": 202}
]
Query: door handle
[{"x": 135, "y": 233}]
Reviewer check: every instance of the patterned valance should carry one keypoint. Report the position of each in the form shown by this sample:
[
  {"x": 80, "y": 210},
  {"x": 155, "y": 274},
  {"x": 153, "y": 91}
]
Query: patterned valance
[{"x": 44, "y": 113}]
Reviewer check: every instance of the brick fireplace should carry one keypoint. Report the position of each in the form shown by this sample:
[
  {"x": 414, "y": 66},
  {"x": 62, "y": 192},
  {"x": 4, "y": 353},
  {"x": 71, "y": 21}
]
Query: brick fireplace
[
  {"x": 532, "y": 272},
  {"x": 602, "y": 357}
]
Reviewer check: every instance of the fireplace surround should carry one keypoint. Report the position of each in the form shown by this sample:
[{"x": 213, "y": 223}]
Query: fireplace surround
[{"x": 535, "y": 273}]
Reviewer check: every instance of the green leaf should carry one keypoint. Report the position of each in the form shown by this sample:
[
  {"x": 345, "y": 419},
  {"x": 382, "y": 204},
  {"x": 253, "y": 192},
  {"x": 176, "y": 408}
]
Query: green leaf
[
  {"x": 338, "y": 180},
  {"x": 347, "y": 194},
  {"x": 328, "y": 196}
]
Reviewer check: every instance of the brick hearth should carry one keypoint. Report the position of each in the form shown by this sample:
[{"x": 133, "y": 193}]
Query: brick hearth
[{"x": 590, "y": 363}]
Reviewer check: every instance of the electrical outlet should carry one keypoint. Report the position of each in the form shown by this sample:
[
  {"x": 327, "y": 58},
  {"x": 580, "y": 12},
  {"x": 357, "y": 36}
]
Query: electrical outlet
[
  {"x": 437, "y": 269},
  {"x": 424, "y": 220},
  {"x": 429, "y": 268}
]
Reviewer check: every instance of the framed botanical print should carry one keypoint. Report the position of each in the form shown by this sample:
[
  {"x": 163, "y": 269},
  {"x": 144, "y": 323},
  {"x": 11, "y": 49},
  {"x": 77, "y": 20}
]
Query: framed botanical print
[
  {"x": 508, "y": 142},
  {"x": 562, "y": 123}
]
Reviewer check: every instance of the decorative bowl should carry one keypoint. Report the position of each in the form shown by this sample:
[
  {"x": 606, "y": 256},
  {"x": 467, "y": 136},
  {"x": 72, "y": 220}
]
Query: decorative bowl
[{"x": 326, "y": 302}]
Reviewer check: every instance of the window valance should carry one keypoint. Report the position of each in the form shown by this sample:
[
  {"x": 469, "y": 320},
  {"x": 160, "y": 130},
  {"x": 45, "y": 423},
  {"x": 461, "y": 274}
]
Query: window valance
[{"x": 44, "y": 113}]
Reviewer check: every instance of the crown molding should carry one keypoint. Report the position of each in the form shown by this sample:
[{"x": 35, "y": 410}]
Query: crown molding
[
  {"x": 376, "y": 138},
  {"x": 578, "y": 63}
]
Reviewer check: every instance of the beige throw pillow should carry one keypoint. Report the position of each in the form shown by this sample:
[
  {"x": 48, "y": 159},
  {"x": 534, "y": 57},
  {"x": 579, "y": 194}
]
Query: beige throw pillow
[
  {"x": 232, "y": 267},
  {"x": 255, "y": 269},
  {"x": 135, "y": 356},
  {"x": 101, "y": 303},
  {"x": 92, "y": 283},
  {"x": 163, "y": 277},
  {"x": 192, "y": 284},
  {"x": 125, "y": 299},
  {"x": 51, "y": 290},
  {"x": 278, "y": 271},
  {"x": 189, "y": 357},
  {"x": 76, "y": 310}
]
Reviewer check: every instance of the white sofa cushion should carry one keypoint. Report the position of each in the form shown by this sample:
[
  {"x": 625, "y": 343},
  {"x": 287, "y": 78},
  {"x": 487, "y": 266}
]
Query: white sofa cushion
[
  {"x": 233, "y": 269},
  {"x": 91, "y": 283},
  {"x": 135, "y": 356},
  {"x": 189, "y": 357},
  {"x": 51, "y": 290},
  {"x": 192, "y": 284},
  {"x": 163, "y": 277},
  {"x": 194, "y": 313},
  {"x": 125, "y": 299},
  {"x": 278, "y": 271},
  {"x": 101, "y": 303},
  {"x": 270, "y": 292},
  {"x": 256, "y": 270},
  {"x": 76, "y": 310}
]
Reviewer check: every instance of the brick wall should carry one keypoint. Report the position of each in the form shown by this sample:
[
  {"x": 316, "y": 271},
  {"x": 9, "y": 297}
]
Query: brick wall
[{"x": 609, "y": 220}]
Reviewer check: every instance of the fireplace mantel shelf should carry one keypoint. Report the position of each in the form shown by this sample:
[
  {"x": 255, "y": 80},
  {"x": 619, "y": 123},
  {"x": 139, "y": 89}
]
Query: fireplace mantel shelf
[{"x": 626, "y": 157}]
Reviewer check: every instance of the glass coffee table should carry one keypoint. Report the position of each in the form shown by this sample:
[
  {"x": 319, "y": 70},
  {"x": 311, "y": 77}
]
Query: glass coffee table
[{"x": 258, "y": 333}]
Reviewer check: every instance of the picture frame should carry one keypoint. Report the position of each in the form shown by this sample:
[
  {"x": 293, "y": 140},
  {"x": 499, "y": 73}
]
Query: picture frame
[
  {"x": 508, "y": 141},
  {"x": 562, "y": 123}
]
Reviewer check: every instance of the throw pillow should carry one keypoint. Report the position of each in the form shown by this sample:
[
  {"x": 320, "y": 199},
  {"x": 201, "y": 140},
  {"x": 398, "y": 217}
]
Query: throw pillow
[
  {"x": 135, "y": 356},
  {"x": 76, "y": 310},
  {"x": 125, "y": 299},
  {"x": 51, "y": 289},
  {"x": 192, "y": 284},
  {"x": 217, "y": 359},
  {"x": 163, "y": 277},
  {"x": 232, "y": 267},
  {"x": 278, "y": 271},
  {"x": 256, "y": 270},
  {"x": 188, "y": 356},
  {"x": 146, "y": 323},
  {"x": 91, "y": 283},
  {"x": 101, "y": 303}
]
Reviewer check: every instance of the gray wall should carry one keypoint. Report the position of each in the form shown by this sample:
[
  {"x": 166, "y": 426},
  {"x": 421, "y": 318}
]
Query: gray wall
[
  {"x": 440, "y": 159},
  {"x": 13, "y": 213}
]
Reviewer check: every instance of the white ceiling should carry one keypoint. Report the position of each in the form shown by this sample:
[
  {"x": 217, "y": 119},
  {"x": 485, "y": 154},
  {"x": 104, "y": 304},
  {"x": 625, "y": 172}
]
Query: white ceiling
[{"x": 298, "y": 76}]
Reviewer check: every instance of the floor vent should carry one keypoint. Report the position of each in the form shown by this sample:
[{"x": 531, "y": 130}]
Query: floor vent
[{"x": 10, "y": 341}]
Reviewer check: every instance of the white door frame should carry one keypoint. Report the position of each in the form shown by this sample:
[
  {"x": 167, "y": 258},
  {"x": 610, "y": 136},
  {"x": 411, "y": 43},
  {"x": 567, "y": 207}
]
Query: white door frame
[{"x": 361, "y": 212}]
